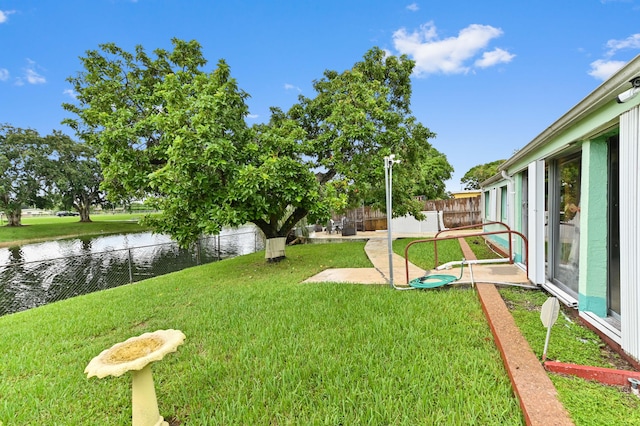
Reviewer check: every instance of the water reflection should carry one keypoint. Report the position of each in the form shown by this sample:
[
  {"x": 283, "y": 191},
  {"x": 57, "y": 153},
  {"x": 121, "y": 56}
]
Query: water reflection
[{"x": 36, "y": 274}]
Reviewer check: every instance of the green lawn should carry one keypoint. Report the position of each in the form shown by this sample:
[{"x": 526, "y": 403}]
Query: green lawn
[
  {"x": 423, "y": 254},
  {"x": 588, "y": 403},
  {"x": 263, "y": 349},
  {"x": 52, "y": 227}
]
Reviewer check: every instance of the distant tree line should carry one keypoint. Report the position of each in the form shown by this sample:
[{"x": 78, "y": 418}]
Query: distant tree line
[{"x": 478, "y": 174}]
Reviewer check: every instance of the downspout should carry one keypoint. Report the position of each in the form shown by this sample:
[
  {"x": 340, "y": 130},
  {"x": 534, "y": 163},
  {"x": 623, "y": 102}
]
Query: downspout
[{"x": 506, "y": 176}]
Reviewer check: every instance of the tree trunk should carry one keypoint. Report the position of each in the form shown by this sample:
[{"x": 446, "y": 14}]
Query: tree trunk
[
  {"x": 277, "y": 235},
  {"x": 274, "y": 250},
  {"x": 14, "y": 218},
  {"x": 83, "y": 206},
  {"x": 84, "y": 214},
  {"x": 275, "y": 244}
]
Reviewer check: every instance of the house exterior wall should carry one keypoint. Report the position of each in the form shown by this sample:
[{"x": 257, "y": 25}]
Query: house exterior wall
[
  {"x": 592, "y": 296},
  {"x": 584, "y": 131}
]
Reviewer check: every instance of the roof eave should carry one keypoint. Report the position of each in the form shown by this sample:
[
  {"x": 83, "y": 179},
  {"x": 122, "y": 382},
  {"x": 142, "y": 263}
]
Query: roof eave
[
  {"x": 495, "y": 178},
  {"x": 603, "y": 94}
]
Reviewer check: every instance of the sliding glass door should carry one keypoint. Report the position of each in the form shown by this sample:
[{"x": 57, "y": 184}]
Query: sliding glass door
[
  {"x": 564, "y": 222},
  {"x": 613, "y": 243}
]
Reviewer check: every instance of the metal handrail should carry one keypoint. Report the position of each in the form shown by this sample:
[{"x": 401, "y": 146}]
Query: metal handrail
[
  {"x": 471, "y": 226},
  {"x": 435, "y": 246},
  {"x": 479, "y": 234}
]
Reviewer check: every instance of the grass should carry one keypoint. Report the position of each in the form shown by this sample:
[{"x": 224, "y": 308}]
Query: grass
[
  {"x": 481, "y": 249},
  {"x": 423, "y": 254},
  {"x": 589, "y": 403},
  {"x": 52, "y": 227},
  {"x": 262, "y": 348},
  {"x": 569, "y": 341}
]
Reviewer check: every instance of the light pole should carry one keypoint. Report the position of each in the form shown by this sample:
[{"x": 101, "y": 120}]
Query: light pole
[{"x": 389, "y": 161}]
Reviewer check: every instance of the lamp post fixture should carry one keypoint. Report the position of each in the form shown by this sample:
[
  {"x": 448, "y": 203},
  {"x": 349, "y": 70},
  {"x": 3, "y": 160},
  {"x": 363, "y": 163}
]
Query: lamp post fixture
[{"x": 389, "y": 161}]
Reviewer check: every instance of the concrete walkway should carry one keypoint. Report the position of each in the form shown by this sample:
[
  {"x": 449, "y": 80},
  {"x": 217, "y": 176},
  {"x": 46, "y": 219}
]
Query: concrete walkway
[
  {"x": 376, "y": 249},
  {"x": 537, "y": 396}
]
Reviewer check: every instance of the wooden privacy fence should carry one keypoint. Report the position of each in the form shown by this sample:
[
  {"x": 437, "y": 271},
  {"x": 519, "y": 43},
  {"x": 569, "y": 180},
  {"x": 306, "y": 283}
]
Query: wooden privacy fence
[
  {"x": 365, "y": 218},
  {"x": 455, "y": 211}
]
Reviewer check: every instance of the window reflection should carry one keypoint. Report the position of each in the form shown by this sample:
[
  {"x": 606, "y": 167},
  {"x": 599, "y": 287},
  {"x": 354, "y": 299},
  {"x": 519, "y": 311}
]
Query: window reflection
[{"x": 567, "y": 243}]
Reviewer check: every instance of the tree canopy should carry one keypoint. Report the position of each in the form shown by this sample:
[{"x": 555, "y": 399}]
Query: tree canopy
[
  {"x": 23, "y": 167},
  {"x": 75, "y": 174},
  {"x": 165, "y": 129},
  {"x": 43, "y": 171},
  {"x": 478, "y": 174}
]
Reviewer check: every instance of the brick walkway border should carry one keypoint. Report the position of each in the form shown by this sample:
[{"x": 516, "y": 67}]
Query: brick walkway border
[{"x": 531, "y": 384}]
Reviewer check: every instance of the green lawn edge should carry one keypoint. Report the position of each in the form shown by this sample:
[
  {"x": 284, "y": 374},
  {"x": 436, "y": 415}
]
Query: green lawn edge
[{"x": 39, "y": 229}]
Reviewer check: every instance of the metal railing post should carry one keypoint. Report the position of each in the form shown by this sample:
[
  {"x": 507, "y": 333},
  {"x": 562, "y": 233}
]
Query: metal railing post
[{"x": 130, "y": 266}]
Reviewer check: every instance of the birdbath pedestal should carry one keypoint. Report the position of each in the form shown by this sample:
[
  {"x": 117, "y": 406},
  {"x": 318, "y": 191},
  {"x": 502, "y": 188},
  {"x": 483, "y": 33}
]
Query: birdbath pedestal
[{"x": 136, "y": 355}]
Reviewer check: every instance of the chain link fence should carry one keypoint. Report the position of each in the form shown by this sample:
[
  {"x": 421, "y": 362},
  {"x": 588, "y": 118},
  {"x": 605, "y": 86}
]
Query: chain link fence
[{"x": 27, "y": 285}]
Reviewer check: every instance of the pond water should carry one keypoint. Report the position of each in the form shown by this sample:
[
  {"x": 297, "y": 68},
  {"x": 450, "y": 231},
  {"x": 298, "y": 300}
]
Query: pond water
[
  {"x": 243, "y": 244},
  {"x": 41, "y": 273}
]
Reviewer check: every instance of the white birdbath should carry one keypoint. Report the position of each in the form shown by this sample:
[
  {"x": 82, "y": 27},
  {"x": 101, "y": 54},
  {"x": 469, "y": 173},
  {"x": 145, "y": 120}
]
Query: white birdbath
[{"x": 136, "y": 355}]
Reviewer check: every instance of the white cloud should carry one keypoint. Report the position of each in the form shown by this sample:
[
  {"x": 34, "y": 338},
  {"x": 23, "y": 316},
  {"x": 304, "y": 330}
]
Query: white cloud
[
  {"x": 70, "y": 93},
  {"x": 34, "y": 78},
  {"x": 4, "y": 15},
  {"x": 413, "y": 7},
  {"x": 631, "y": 42},
  {"x": 31, "y": 75},
  {"x": 603, "y": 69},
  {"x": 450, "y": 55},
  {"x": 4, "y": 74},
  {"x": 288, "y": 86},
  {"x": 253, "y": 116},
  {"x": 496, "y": 56}
]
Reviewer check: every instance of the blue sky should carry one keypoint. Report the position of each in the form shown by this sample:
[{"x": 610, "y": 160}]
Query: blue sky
[{"x": 490, "y": 75}]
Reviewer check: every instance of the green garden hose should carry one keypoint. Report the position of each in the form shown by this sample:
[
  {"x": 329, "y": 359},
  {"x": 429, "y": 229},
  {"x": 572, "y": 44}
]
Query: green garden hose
[{"x": 436, "y": 280}]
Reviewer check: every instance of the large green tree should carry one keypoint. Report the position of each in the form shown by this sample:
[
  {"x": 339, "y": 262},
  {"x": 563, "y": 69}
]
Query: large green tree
[
  {"x": 361, "y": 115},
  {"x": 478, "y": 174},
  {"x": 118, "y": 101},
  {"x": 75, "y": 174},
  {"x": 24, "y": 162},
  {"x": 166, "y": 129}
]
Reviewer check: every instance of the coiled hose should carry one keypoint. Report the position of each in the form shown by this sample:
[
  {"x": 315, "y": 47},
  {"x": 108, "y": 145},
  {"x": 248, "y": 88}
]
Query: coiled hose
[{"x": 436, "y": 280}]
